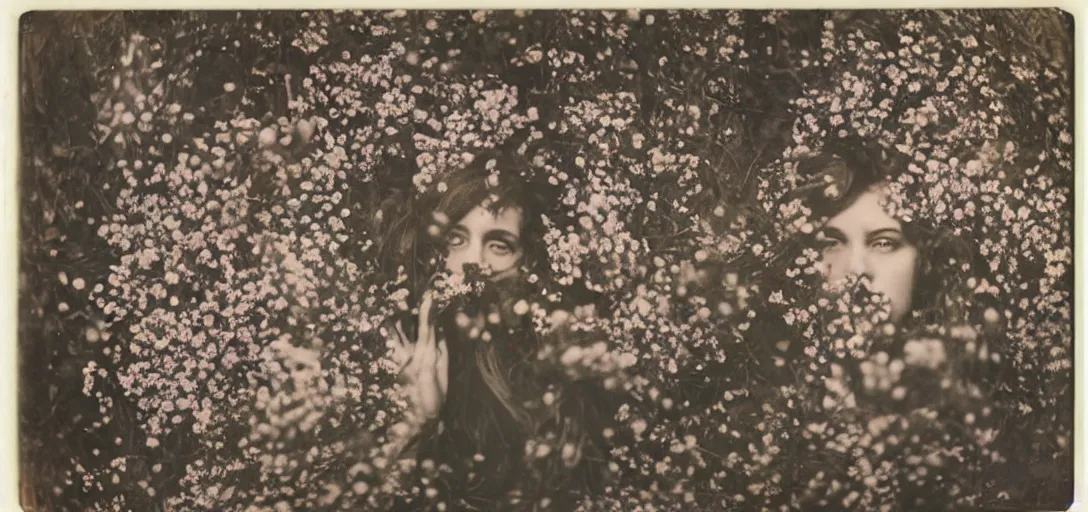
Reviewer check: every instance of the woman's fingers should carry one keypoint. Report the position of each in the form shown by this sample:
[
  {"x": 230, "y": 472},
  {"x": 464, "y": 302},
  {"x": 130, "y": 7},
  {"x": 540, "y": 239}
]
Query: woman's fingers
[
  {"x": 400, "y": 346},
  {"x": 398, "y": 328},
  {"x": 431, "y": 383},
  {"x": 442, "y": 367},
  {"x": 425, "y": 310},
  {"x": 425, "y": 343},
  {"x": 428, "y": 353},
  {"x": 427, "y": 369}
]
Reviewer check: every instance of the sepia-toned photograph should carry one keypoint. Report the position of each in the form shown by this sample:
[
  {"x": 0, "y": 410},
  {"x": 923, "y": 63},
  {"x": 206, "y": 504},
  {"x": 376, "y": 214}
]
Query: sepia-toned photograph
[{"x": 545, "y": 260}]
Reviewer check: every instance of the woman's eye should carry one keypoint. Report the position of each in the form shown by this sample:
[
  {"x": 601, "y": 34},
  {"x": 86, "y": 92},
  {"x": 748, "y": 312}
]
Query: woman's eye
[
  {"x": 455, "y": 241},
  {"x": 885, "y": 244},
  {"x": 830, "y": 244},
  {"x": 500, "y": 248}
]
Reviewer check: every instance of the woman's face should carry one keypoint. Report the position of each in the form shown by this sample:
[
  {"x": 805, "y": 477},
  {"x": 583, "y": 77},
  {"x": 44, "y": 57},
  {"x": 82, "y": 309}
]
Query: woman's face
[
  {"x": 486, "y": 239},
  {"x": 864, "y": 240}
]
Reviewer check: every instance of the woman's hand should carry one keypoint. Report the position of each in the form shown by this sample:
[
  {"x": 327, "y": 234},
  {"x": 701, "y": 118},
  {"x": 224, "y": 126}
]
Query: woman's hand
[{"x": 424, "y": 364}]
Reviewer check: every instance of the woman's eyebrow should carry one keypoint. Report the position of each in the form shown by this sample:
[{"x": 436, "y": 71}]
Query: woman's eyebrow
[
  {"x": 884, "y": 231},
  {"x": 832, "y": 232},
  {"x": 460, "y": 229}
]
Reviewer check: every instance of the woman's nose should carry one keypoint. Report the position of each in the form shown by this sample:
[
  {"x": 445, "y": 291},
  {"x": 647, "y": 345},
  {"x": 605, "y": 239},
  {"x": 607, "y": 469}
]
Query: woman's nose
[
  {"x": 858, "y": 263},
  {"x": 470, "y": 255}
]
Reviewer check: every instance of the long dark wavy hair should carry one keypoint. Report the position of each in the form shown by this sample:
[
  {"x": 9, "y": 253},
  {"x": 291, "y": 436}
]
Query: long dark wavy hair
[
  {"x": 940, "y": 293},
  {"x": 488, "y": 414},
  {"x": 405, "y": 220}
]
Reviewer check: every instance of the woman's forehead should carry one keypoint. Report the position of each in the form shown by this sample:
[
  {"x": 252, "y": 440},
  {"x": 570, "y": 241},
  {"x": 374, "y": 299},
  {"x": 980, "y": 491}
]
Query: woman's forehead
[
  {"x": 485, "y": 219},
  {"x": 866, "y": 213}
]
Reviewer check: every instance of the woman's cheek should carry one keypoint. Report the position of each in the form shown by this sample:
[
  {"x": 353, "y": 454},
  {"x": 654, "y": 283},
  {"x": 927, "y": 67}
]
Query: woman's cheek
[
  {"x": 831, "y": 265},
  {"x": 455, "y": 260},
  {"x": 504, "y": 266},
  {"x": 507, "y": 263},
  {"x": 895, "y": 278}
]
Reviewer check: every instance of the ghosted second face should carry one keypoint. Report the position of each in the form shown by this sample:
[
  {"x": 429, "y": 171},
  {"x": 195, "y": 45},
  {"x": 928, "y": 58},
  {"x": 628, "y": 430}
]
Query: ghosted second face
[{"x": 864, "y": 240}]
